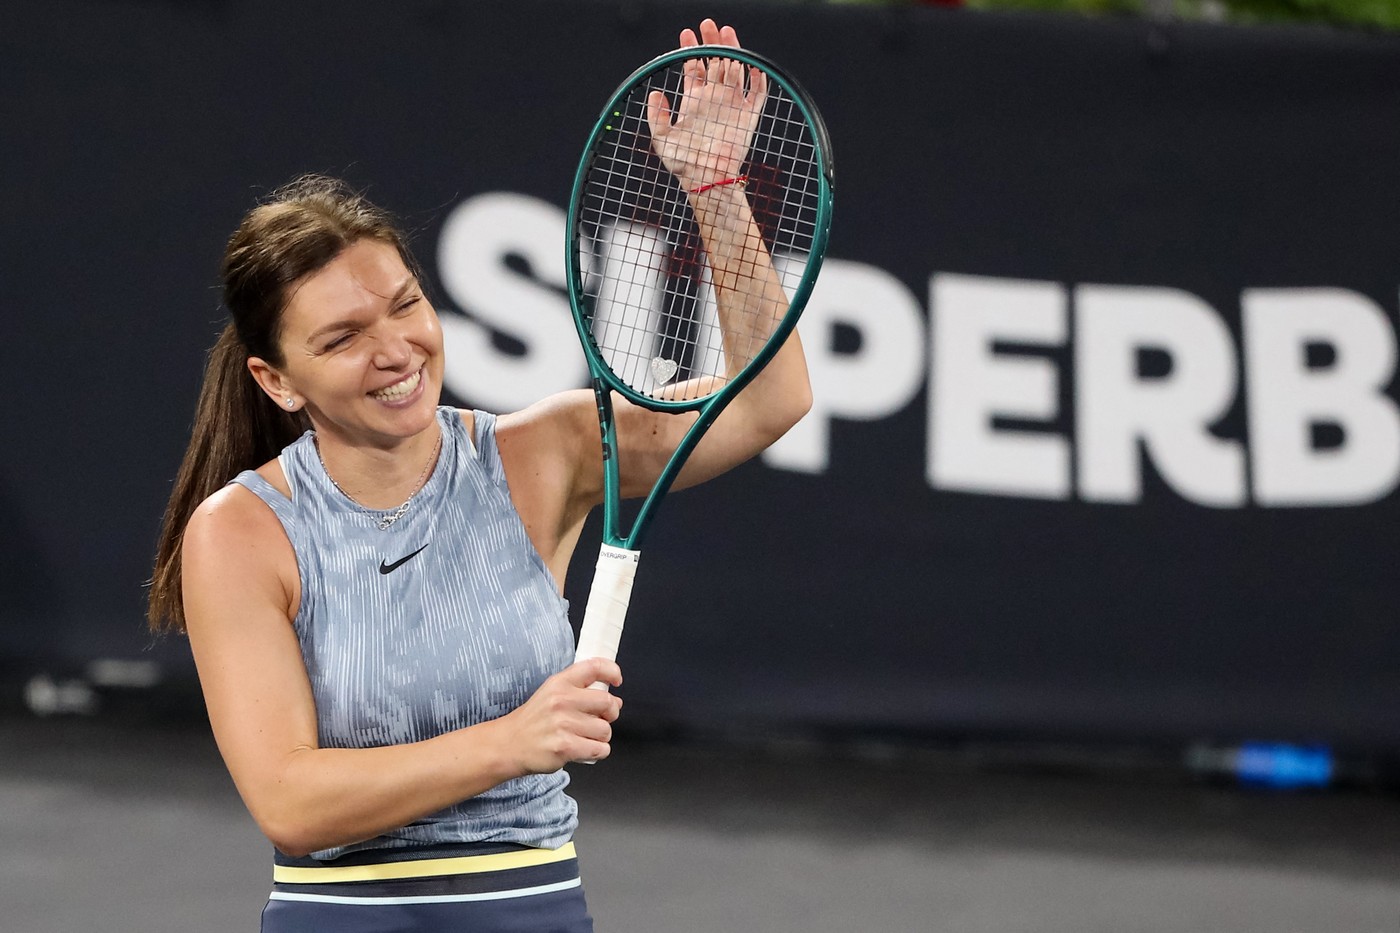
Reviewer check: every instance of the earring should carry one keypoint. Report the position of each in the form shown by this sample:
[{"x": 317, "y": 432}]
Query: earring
[{"x": 291, "y": 403}]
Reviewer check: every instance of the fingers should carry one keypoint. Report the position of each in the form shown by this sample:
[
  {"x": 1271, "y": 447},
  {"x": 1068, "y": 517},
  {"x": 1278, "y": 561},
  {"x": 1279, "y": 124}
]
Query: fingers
[
  {"x": 593, "y": 732},
  {"x": 711, "y": 34},
  {"x": 565, "y": 721},
  {"x": 725, "y": 71},
  {"x": 694, "y": 78},
  {"x": 714, "y": 74},
  {"x": 592, "y": 752},
  {"x": 658, "y": 113},
  {"x": 722, "y": 72},
  {"x": 732, "y": 74},
  {"x": 592, "y": 736},
  {"x": 600, "y": 705},
  {"x": 758, "y": 88},
  {"x": 593, "y": 670}
]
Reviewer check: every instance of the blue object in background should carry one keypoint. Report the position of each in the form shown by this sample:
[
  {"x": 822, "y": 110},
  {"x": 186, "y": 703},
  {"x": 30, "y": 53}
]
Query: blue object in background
[{"x": 1276, "y": 764}]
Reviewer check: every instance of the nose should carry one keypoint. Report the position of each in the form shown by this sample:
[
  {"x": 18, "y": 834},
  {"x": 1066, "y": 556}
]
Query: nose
[{"x": 393, "y": 350}]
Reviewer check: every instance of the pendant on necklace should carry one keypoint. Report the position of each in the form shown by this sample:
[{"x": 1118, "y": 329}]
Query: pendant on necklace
[{"x": 383, "y": 524}]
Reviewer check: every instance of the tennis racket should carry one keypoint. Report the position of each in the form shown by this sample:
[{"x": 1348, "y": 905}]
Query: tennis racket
[{"x": 663, "y": 323}]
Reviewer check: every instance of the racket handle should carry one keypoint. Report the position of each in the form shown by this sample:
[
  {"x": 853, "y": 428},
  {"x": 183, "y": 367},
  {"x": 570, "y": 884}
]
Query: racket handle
[{"x": 607, "y": 605}]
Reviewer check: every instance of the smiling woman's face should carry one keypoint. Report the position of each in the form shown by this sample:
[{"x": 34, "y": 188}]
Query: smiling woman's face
[{"x": 361, "y": 349}]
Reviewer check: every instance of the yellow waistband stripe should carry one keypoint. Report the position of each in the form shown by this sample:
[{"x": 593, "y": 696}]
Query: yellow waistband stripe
[{"x": 423, "y": 868}]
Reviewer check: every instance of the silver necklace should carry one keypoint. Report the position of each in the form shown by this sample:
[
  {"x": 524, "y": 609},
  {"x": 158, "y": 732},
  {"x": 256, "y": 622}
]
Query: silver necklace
[{"x": 398, "y": 513}]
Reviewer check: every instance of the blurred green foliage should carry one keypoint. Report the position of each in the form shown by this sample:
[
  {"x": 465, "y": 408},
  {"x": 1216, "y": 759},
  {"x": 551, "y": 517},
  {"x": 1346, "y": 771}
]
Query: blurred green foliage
[
  {"x": 1366, "y": 13},
  {"x": 1384, "y": 13}
]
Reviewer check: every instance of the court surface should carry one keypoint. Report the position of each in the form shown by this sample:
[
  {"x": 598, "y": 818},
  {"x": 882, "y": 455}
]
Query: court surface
[{"x": 126, "y": 826}]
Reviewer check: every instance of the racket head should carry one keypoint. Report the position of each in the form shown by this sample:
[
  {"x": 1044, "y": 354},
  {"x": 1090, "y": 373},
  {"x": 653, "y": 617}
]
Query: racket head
[{"x": 637, "y": 271}]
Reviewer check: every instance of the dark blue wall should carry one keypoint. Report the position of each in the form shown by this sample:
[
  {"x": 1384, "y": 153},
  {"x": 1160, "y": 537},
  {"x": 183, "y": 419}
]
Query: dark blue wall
[{"x": 894, "y": 564}]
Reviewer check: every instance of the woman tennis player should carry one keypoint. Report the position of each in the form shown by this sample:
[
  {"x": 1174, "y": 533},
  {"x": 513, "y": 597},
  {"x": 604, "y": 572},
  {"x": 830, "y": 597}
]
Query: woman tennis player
[{"x": 371, "y": 582}]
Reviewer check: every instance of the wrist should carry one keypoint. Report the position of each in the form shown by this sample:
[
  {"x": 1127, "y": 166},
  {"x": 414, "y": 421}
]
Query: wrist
[
  {"x": 489, "y": 748},
  {"x": 736, "y": 181}
]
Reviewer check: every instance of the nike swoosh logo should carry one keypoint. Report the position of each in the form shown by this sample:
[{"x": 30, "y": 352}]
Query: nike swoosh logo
[{"x": 390, "y": 568}]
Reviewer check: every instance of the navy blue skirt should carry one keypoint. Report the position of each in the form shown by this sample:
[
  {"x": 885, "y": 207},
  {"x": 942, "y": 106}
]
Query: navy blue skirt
[{"x": 444, "y": 889}]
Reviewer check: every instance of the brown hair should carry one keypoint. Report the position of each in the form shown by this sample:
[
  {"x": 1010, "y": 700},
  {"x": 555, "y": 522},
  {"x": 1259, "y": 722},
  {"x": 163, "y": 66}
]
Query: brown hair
[{"x": 298, "y": 231}]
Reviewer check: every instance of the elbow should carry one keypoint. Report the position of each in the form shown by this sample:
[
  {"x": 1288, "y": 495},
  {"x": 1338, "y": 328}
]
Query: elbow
[
  {"x": 795, "y": 407},
  {"x": 289, "y": 810},
  {"x": 302, "y": 829},
  {"x": 802, "y": 404},
  {"x": 292, "y": 849},
  {"x": 296, "y": 827},
  {"x": 300, "y": 839},
  {"x": 292, "y": 836}
]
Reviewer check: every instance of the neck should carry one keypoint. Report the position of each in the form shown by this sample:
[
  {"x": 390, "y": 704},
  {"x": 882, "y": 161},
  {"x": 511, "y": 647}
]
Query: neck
[{"x": 380, "y": 477}]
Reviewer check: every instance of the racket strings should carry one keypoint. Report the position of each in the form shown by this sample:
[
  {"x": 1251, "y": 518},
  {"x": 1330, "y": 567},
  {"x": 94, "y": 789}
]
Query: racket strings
[{"x": 647, "y": 277}]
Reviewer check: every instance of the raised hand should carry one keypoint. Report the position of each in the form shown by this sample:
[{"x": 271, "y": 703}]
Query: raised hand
[{"x": 706, "y": 138}]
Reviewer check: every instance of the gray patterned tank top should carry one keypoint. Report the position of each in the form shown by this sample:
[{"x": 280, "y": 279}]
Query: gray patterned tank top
[{"x": 447, "y": 618}]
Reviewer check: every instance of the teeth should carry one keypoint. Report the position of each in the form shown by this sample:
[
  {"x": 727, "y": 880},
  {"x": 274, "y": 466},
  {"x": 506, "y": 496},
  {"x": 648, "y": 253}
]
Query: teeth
[{"x": 399, "y": 389}]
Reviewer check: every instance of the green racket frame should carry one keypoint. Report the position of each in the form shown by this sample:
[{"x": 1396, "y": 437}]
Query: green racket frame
[{"x": 709, "y": 406}]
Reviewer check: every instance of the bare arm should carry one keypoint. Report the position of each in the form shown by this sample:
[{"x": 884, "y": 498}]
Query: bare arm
[
  {"x": 552, "y": 450},
  {"x": 240, "y": 594},
  {"x": 704, "y": 143}
]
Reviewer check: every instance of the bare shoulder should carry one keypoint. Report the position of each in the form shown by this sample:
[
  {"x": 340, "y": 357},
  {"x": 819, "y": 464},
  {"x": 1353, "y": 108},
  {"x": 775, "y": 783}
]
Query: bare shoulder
[
  {"x": 230, "y": 515},
  {"x": 234, "y": 549}
]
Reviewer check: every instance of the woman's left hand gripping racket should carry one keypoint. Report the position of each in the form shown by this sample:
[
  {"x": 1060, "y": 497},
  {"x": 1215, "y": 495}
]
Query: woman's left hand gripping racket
[{"x": 697, "y": 225}]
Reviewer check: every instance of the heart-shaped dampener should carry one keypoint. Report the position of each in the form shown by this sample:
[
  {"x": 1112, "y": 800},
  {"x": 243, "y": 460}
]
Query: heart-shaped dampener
[{"x": 662, "y": 370}]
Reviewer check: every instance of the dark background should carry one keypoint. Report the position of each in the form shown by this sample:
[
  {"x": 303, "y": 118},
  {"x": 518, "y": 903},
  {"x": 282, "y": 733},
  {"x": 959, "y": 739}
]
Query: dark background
[{"x": 856, "y": 601}]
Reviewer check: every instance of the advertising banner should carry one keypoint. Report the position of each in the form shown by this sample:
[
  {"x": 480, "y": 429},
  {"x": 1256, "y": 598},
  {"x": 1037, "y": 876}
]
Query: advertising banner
[{"x": 1105, "y": 440}]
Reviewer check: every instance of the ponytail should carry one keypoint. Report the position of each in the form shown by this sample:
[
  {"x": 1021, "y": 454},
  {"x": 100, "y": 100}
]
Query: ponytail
[
  {"x": 301, "y": 229},
  {"x": 236, "y": 428}
]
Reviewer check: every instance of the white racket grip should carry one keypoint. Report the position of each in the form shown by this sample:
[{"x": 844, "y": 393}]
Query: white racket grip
[{"x": 608, "y": 598}]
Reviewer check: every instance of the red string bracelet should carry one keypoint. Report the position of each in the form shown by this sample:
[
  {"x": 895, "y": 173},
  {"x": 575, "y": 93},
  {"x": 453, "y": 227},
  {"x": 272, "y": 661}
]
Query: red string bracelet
[{"x": 736, "y": 180}]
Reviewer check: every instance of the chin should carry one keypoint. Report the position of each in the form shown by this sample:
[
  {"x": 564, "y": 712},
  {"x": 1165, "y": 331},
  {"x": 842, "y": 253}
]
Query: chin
[{"x": 418, "y": 417}]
